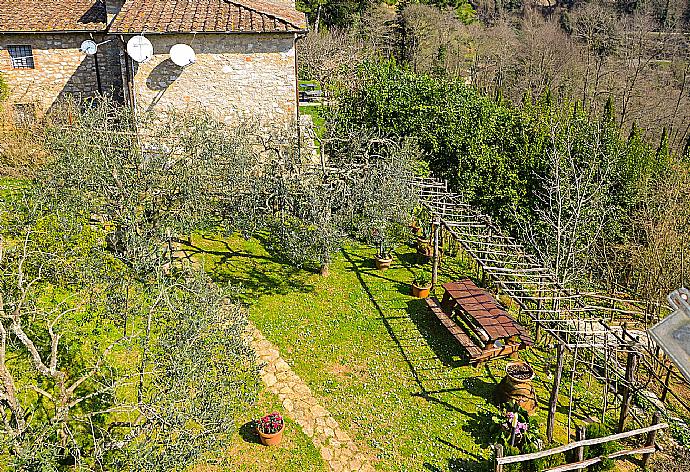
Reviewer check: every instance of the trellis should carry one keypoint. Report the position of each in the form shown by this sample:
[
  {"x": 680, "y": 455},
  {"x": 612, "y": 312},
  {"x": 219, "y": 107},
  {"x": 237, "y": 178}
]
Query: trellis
[{"x": 578, "y": 322}]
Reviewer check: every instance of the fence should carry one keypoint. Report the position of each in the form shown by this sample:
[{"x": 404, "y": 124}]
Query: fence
[{"x": 578, "y": 446}]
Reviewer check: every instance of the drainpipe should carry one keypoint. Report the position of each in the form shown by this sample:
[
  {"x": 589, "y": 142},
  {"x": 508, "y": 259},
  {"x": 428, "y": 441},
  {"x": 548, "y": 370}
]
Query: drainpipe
[
  {"x": 126, "y": 84},
  {"x": 98, "y": 71},
  {"x": 297, "y": 115}
]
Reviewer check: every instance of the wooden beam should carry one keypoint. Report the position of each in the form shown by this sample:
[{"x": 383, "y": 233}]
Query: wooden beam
[
  {"x": 596, "y": 460},
  {"x": 498, "y": 466},
  {"x": 586, "y": 442},
  {"x": 630, "y": 368},
  {"x": 651, "y": 440},
  {"x": 553, "y": 400}
]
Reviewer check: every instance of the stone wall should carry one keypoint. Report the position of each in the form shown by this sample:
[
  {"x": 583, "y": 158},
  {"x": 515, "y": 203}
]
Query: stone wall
[
  {"x": 236, "y": 76},
  {"x": 60, "y": 68}
]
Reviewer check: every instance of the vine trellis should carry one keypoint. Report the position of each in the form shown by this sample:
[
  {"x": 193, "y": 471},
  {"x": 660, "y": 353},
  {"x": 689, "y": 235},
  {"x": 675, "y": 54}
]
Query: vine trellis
[{"x": 627, "y": 362}]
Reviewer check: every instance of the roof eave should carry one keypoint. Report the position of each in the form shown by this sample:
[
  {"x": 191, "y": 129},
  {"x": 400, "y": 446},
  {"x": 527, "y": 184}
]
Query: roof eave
[
  {"x": 291, "y": 31},
  {"x": 100, "y": 31}
]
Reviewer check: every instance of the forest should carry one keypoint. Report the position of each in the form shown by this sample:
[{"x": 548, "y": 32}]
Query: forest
[{"x": 566, "y": 121}]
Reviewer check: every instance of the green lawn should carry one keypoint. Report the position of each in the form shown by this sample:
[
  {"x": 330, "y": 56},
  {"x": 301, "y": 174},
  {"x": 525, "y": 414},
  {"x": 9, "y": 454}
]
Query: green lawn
[
  {"x": 296, "y": 453},
  {"x": 380, "y": 362}
]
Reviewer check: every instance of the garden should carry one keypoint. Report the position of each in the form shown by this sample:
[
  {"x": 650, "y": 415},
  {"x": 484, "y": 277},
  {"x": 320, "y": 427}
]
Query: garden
[{"x": 135, "y": 267}]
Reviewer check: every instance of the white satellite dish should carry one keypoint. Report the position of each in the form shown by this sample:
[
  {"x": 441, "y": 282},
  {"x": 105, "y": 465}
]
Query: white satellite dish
[
  {"x": 182, "y": 55},
  {"x": 89, "y": 47},
  {"x": 139, "y": 49}
]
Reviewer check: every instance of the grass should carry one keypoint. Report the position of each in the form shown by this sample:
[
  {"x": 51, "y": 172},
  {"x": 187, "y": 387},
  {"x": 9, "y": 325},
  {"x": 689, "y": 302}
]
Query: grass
[
  {"x": 378, "y": 360},
  {"x": 296, "y": 452},
  {"x": 319, "y": 121}
]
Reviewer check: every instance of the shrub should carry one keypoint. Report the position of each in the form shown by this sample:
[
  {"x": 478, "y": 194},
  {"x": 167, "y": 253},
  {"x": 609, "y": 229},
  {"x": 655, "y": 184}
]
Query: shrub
[
  {"x": 603, "y": 450},
  {"x": 422, "y": 278},
  {"x": 4, "y": 90}
]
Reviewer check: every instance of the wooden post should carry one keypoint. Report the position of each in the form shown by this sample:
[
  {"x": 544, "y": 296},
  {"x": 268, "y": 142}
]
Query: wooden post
[
  {"x": 434, "y": 266},
  {"x": 553, "y": 400},
  {"x": 499, "y": 453},
  {"x": 580, "y": 434},
  {"x": 667, "y": 380},
  {"x": 630, "y": 367},
  {"x": 651, "y": 439}
]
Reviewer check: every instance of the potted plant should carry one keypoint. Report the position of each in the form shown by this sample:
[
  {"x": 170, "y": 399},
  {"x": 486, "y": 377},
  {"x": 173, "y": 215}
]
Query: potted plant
[
  {"x": 421, "y": 285},
  {"x": 384, "y": 257},
  {"x": 423, "y": 236},
  {"x": 514, "y": 427},
  {"x": 270, "y": 429}
]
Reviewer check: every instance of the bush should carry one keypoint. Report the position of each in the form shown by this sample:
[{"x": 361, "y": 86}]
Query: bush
[
  {"x": 4, "y": 90},
  {"x": 603, "y": 450},
  {"x": 422, "y": 278}
]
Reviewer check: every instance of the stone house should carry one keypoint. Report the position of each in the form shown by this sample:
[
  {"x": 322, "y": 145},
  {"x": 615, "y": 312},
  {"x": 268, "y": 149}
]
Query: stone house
[{"x": 245, "y": 54}]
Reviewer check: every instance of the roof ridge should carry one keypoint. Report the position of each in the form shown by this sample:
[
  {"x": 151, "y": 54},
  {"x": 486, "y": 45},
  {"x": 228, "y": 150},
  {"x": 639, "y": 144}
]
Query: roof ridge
[{"x": 276, "y": 10}]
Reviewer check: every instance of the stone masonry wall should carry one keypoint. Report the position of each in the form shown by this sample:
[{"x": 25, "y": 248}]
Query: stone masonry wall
[
  {"x": 60, "y": 68},
  {"x": 236, "y": 76}
]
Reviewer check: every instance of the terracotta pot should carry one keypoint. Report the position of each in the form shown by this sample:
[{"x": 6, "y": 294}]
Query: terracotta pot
[
  {"x": 271, "y": 439},
  {"x": 420, "y": 292},
  {"x": 520, "y": 391},
  {"x": 383, "y": 263}
]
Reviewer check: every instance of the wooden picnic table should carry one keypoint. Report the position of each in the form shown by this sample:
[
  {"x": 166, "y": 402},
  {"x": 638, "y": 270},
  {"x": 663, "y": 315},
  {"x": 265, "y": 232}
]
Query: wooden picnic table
[{"x": 481, "y": 325}]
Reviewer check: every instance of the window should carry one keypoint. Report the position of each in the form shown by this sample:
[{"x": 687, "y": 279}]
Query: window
[{"x": 22, "y": 57}]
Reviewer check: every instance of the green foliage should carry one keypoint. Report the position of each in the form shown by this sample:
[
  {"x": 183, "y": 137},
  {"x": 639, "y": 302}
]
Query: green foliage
[
  {"x": 680, "y": 432},
  {"x": 518, "y": 164},
  {"x": 4, "y": 89},
  {"x": 599, "y": 431},
  {"x": 331, "y": 12},
  {"x": 422, "y": 278},
  {"x": 539, "y": 465}
]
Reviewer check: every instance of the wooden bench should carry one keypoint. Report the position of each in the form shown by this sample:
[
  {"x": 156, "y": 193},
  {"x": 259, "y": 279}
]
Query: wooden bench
[{"x": 458, "y": 333}]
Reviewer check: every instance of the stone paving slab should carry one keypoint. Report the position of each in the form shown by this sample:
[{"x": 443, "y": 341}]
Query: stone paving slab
[{"x": 337, "y": 449}]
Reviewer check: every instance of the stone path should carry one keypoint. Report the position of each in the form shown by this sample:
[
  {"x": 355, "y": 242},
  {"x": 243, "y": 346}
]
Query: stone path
[{"x": 337, "y": 449}]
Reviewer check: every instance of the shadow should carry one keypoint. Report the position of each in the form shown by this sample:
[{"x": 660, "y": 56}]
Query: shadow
[
  {"x": 468, "y": 465},
  {"x": 248, "y": 433},
  {"x": 256, "y": 275},
  {"x": 163, "y": 75},
  {"x": 84, "y": 81},
  {"x": 445, "y": 347},
  {"x": 403, "y": 288},
  {"x": 481, "y": 388},
  {"x": 94, "y": 15}
]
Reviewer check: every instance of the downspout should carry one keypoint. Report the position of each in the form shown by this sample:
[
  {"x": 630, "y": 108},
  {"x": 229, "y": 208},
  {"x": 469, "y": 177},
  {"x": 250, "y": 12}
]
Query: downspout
[
  {"x": 98, "y": 71},
  {"x": 294, "y": 47},
  {"x": 124, "y": 71}
]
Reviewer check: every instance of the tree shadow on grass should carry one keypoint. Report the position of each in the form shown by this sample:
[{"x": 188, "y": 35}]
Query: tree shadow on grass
[
  {"x": 443, "y": 344},
  {"x": 458, "y": 465},
  {"x": 254, "y": 274}
]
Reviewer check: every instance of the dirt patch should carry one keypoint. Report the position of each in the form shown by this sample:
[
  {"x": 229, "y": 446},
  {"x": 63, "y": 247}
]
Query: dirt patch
[{"x": 348, "y": 371}]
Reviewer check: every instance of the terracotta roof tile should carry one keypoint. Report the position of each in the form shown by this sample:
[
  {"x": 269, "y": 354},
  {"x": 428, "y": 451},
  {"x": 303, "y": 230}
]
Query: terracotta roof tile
[
  {"x": 52, "y": 15},
  {"x": 209, "y": 16}
]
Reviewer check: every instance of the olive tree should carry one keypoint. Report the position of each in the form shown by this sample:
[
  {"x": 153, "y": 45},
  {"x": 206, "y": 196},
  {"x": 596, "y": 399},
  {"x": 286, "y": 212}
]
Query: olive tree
[{"x": 78, "y": 386}]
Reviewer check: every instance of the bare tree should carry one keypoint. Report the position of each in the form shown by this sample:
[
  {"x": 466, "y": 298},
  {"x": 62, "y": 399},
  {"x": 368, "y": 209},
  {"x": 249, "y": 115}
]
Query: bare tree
[{"x": 572, "y": 204}]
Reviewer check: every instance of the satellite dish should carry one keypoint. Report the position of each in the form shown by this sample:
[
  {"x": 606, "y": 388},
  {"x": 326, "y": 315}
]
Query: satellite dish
[
  {"x": 140, "y": 49},
  {"x": 89, "y": 47},
  {"x": 182, "y": 55}
]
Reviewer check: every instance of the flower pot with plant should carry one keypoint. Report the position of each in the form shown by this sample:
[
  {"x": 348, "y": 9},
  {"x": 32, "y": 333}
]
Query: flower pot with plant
[
  {"x": 384, "y": 259},
  {"x": 270, "y": 429},
  {"x": 421, "y": 285}
]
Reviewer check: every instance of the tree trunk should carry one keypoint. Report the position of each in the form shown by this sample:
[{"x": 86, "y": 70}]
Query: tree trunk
[{"x": 325, "y": 270}]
